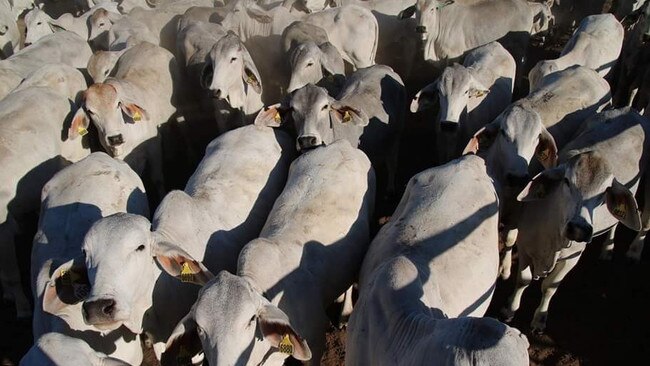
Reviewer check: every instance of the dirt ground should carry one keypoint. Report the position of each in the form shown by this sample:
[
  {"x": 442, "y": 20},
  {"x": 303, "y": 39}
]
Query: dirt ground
[{"x": 599, "y": 316}]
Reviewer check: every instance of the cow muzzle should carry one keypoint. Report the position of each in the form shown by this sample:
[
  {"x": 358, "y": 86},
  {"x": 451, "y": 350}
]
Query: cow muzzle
[
  {"x": 99, "y": 312},
  {"x": 308, "y": 142},
  {"x": 422, "y": 31},
  {"x": 115, "y": 140},
  {"x": 579, "y": 231}
]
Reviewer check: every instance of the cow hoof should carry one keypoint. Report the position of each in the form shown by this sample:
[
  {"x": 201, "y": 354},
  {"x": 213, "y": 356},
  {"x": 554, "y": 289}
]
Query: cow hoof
[{"x": 507, "y": 315}]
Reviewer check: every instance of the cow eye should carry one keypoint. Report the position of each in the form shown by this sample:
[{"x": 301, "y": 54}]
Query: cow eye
[
  {"x": 101, "y": 24},
  {"x": 233, "y": 59},
  {"x": 39, "y": 23},
  {"x": 140, "y": 248},
  {"x": 566, "y": 181},
  {"x": 90, "y": 112},
  {"x": 310, "y": 64},
  {"x": 324, "y": 107}
]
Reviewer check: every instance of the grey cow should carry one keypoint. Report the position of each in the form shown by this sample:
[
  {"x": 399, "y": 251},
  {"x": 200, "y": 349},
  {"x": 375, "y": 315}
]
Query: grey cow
[
  {"x": 368, "y": 112},
  {"x": 429, "y": 268},
  {"x": 590, "y": 191},
  {"x": 308, "y": 254},
  {"x": 469, "y": 96}
]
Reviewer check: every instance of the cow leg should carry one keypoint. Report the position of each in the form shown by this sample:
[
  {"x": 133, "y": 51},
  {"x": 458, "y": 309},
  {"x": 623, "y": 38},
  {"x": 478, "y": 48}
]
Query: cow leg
[
  {"x": 524, "y": 277},
  {"x": 549, "y": 287},
  {"x": 9, "y": 271},
  {"x": 607, "y": 251},
  {"x": 506, "y": 261}
]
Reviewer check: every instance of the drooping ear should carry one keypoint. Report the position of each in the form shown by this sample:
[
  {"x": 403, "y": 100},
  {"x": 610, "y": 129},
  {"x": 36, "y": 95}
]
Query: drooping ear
[
  {"x": 250, "y": 74},
  {"x": 482, "y": 139},
  {"x": 271, "y": 116},
  {"x": 424, "y": 99},
  {"x": 546, "y": 151},
  {"x": 178, "y": 263},
  {"x": 407, "y": 13},
  {"x": 68, "y": 285},
  {"x": 258, "y": 14},
  {"x": 348, "y": 114},
  {"x": 622, "y": 205},
  {"x": 277, "y": 330},
  {"x": 331, "y": 61},
  {"x": 540, "y": 186},
  {"x": 206, "y": 75},
  {"x": 79, "y": 125},
  {"x": 183, "y": 344},
  {"x": 134, "y": 112}
]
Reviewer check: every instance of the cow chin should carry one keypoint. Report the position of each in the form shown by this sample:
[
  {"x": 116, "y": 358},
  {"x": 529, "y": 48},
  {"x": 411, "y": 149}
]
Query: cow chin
[{"x": 115, "y": 151}]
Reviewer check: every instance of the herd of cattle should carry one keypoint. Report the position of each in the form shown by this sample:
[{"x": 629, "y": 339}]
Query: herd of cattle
[{"x": 283, "y": 120}]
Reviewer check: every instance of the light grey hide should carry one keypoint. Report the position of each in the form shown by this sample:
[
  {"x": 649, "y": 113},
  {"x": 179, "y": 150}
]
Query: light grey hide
[
  {"x": 449, "y": 29},
  {"x": 589, "y": 192},
  {"x": 596, "y": 44},
  {"x": 368, "y": 112},
  {"x": 469, "y": 96},
  {"x": 55, "y": 349},
  {"x": 537, "y": 126},
  {"x": 127, "y": 110},
  {"x": 61, "y": 47},
  {"x": 74, "y": 199},
  {"x": 543, "y": 17},
  {"x": 60, "y": 78},
  {"x": 202, "y": 222},
  {"x": 31, "y": 152},
  {"x": 9, "y": 34},
  {"x": 39, "y": 24},
  {"x": 428, "y": 270},
  {"x": 308, "y": 254},
  {"x": 310, "y": 54}
]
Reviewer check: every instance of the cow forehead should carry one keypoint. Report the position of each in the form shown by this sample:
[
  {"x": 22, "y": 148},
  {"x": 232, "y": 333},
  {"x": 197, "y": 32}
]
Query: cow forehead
[
  {"x": 101, "y": 93},
  {"x": 454, "y": 77},
  {"x": 225, "y": 299},
  {"x": 309, "y": 96},
  {"x": 99, "y": 15},
  {"x": 521, "y": 122},
  {"x": 116, "y": 232},
  {"x": 589, "y": 172}
]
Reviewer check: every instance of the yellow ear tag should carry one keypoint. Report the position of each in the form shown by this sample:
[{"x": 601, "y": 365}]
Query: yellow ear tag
[
  {"x": 136, "y": 116},
  {"x": 620, "y": 210},
  {"x": 82, "y": 131},
  {"x": 186, "y": 273},
  {"x": 347, "y": 117},
  {"x": 542, "y": 155},
  {"x": 285, "y": 345},
  {"x": 277, "y": 118}
]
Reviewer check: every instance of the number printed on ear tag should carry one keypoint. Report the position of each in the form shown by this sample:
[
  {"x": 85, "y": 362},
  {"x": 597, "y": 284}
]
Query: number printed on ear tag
[
  {"x": 285, "y": 345},
  {"x": 82, "y": 131},
  {"x": 277, "y": 117},
  {"x": 186, "y": 273},
  {"x": 347, "y": 117},
  {"x": 137, "y": 117}
]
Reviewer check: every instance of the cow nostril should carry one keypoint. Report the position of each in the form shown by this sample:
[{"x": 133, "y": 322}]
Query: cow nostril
[
  {"x": 115, "y": 140},
  {"x": 307, "y": 142},
  {"x": 108, "y": 307},
  {"x": 216, "y": 94},
  {"x": 579, "y": 232}
]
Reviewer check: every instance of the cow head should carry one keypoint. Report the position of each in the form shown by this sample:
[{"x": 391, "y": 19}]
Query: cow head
[
  {"x": 230, "y": 73},
  {"x": 577, "y": 188},
  {"x": 426, "y": 14},
  {"x": 39, "y": 25},
  {"x": 99, "y": 23},
  {"x": 245, "y": 330},
  {"x": 113, "y": 114},
  {"x": 101, "y": 63},
  {"x": 318, "y": 119},
  {"x": 310, "y": 63},
  {"x": 119, "y": 270},
  {"x": 539, "y": 71},
  {"x": 509, "y": 143}
]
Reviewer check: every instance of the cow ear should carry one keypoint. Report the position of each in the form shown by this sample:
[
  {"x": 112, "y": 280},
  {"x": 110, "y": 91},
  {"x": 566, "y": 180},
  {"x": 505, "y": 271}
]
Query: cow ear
[
  {"x": 424, "y": 99},
  {"x": 258, "y": 14},
  {"x": 206, "y": 75},
  {"x": 271, "y": 116},
  {"x": 178, "y": 263},
  {"x": 183, "y": 344},
  {"x": 540, "y": 186},
  {"x": 482, "y": 139},
  {"x": 277, "y": 330},
  {"x": 79, "y": 125},
  {"x": 68, "y": 285},
  {"x": 622, "y": 205},
  {"x": 250, "y": 73},
  {"x": 407, "y": 13},
  {"x": 331, "y": 60},
  {"x": 346, "y": 114},
  {"x": 134, "y": 112},
  {"x": 546, "y": 151}
]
